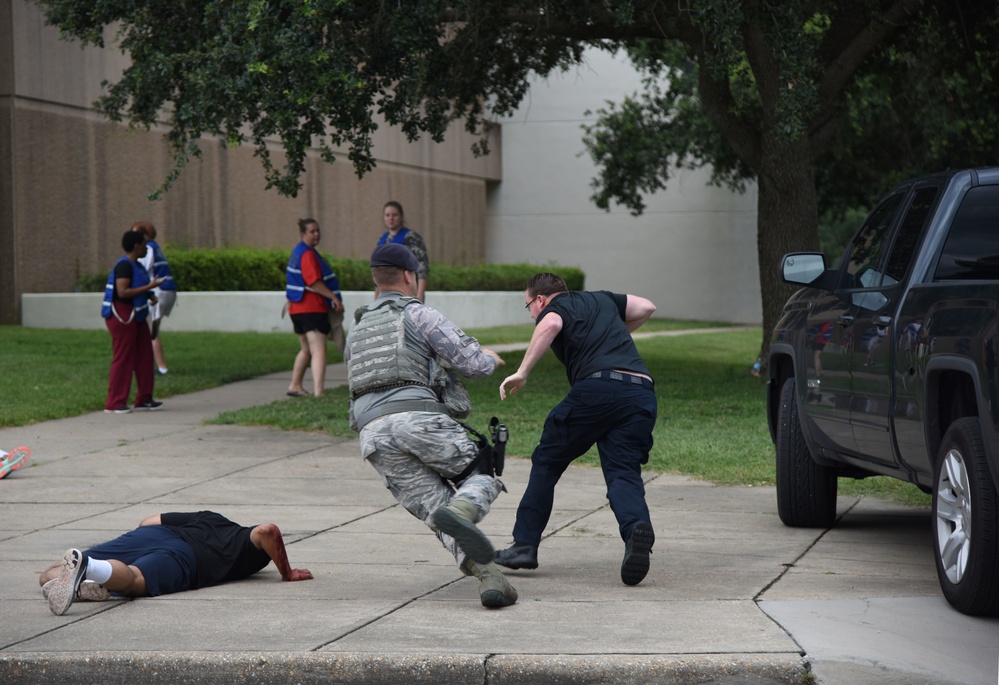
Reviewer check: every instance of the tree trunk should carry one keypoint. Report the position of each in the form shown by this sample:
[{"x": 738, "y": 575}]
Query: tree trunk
[{"x": 787, "y": 221}]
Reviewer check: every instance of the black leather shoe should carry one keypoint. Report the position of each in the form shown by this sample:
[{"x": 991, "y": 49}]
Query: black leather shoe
[
  {"x": 636, "y": 554},
  {"x": 518, "y": 556}
]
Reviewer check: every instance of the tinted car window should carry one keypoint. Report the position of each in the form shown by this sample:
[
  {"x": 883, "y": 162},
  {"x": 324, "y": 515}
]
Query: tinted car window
[
  {"x": 865, "y": 250},
  {"x": 972, "y": 247},
  {"x": 908, "y": 234}
]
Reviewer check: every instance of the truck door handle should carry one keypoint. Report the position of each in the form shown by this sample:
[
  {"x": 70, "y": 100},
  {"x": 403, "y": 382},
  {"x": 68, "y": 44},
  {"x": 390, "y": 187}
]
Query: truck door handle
[
  {"x": 883, "y": 320},
  {"x": 845, "y": 320}
]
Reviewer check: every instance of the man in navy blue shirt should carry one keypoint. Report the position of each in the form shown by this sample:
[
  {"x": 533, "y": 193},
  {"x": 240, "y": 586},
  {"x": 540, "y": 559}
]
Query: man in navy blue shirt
[{"x": 611, "y": 403}]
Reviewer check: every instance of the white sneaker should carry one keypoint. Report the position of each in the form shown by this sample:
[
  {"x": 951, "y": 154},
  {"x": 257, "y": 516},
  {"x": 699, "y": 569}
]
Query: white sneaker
[
  {"x": 63, "y": 589},
  {"x": 90, "y": 591}
]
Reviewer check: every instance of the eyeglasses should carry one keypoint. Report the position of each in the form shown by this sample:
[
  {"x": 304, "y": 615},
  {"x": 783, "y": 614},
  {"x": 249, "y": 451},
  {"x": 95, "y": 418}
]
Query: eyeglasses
[{"x": 528, "y": 305}]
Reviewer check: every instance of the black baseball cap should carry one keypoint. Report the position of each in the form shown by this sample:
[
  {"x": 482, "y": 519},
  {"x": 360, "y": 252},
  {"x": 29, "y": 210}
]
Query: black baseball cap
[{"x": 394, "y": 254}]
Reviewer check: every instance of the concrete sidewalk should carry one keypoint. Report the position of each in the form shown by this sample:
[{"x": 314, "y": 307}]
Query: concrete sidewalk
[{"x": 733, "y": 596}]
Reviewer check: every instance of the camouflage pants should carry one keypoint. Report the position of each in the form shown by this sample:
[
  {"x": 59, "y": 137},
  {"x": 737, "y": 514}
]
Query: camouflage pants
[{"x": 414, "y": 452}]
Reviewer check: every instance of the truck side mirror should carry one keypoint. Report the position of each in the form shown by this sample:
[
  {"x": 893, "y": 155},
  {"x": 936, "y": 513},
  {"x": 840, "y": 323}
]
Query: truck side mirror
[{"x": 802, "y": 268}]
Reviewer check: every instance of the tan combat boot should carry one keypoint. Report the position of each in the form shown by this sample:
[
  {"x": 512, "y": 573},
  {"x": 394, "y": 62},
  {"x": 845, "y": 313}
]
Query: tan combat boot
[
  {"x": 494, "y": 589},
  {"x": 458, "y": 520}
]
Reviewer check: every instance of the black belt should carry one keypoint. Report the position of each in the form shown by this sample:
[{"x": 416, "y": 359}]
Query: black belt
[{"x": 623, "y": 377}]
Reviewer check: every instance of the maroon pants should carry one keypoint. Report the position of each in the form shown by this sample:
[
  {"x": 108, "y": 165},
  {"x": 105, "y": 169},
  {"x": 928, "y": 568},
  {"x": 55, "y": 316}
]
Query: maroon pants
[{"x": 132, "y": 352}]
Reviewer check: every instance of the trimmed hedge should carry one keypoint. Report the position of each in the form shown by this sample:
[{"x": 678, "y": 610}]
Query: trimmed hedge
[{"x": 246, "y": 268}]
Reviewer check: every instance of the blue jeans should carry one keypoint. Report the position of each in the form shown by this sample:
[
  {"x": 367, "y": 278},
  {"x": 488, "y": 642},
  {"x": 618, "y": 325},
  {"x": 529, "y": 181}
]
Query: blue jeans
[{"x": 616, "y": 416}]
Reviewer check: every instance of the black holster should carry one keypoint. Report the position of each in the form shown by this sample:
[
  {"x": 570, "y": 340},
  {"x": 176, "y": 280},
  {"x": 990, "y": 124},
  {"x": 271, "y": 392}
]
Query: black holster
[{"x": 492, "y": 454}]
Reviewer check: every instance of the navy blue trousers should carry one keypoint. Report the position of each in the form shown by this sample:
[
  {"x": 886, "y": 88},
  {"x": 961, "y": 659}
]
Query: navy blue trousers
[{"x": 616, "y": 416}]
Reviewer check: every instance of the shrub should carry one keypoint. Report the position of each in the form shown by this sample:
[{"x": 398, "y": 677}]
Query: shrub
[{"x": 246, "y": 268}]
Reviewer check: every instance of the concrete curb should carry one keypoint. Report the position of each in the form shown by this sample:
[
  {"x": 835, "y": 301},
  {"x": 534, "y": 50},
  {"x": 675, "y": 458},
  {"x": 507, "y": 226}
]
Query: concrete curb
[{"x": 389, "y": 669}]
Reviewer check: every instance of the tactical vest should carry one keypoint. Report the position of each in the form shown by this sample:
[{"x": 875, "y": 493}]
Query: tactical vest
[
  {"x": 383, "y": 353},
  {"x": 140, "y": 303}
]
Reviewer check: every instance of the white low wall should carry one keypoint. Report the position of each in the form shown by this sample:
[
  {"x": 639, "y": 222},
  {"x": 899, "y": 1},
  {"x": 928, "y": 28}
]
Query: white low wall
[{"x": 260, "y": 311}]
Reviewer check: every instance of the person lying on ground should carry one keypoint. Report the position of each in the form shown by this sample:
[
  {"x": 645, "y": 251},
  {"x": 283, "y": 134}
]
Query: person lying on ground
[{"x": 167, "y": 553}]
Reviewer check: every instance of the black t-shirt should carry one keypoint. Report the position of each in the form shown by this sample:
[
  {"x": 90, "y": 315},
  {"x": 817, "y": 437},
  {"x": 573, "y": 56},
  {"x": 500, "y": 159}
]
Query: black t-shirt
[
  {"x": 123, "y": 268},
  {"x": 593, "y": 336},
  {"x": 222, "y": 547}
]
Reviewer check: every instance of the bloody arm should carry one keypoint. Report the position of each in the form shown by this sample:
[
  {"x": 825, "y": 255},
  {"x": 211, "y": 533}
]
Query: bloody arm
[{"x": 268, "y": 538}]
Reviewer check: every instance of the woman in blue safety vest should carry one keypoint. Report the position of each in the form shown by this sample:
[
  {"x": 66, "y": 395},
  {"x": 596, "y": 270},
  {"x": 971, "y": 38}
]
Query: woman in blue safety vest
[
  {"x": 125, "y": 309},
  {"x": 398, "y": 233},
  {"x": 313, "y": 291}
]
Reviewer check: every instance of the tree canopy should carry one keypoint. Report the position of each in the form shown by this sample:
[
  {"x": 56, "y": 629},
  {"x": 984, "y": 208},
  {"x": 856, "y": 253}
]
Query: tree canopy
[
  {"x": 920, "y": 102},
  {"x": 793, "y": 95}
]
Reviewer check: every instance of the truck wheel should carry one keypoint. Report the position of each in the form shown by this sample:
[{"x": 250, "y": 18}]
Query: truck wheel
[
  {"x": 806, "y": 491},
  {"x": 966, "y": 522}
]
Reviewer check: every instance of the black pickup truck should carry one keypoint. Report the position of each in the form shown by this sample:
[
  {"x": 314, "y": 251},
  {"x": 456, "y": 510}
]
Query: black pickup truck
[{"x": 888, "y": 364}]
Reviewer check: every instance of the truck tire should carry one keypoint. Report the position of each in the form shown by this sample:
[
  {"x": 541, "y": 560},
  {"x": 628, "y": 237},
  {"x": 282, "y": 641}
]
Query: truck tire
[
  {"x": 806, "y": 491},
  {"x": 966, "y": 522}
]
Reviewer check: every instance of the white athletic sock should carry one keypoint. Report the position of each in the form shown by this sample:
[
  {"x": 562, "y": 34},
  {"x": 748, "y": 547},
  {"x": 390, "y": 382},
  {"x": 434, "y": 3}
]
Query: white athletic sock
[{"x": 98, "y": 570}]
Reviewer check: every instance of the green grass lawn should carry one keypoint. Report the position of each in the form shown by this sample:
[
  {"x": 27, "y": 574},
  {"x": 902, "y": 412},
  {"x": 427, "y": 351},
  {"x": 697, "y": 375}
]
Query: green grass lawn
[
  {"x": 712, "y": 413},
  {"x": 51, "y": 374}
]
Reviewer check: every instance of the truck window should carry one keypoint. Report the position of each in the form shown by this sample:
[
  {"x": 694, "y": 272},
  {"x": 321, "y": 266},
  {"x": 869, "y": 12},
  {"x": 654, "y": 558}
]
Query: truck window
[
  {"x": 908, "y": 234},
  {"x": 862, "y": 260},
  {"x": 972, "y": 247}
]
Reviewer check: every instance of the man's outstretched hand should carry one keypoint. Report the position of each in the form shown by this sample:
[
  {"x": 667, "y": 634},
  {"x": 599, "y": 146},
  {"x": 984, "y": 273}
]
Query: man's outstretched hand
[
  {"x": 512, "y": 384},
  {"x": 499, "y": 359},
  {"x": 299, "y": 574}
]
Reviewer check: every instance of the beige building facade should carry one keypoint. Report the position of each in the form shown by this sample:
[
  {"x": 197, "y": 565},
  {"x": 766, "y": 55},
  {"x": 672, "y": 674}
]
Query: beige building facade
[{"x": 72, "y": 182}]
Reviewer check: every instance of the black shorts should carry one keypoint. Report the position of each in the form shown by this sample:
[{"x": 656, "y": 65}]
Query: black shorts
[
  {"x": 311, "y": 321},
  {"x": 167, "y": 562}
]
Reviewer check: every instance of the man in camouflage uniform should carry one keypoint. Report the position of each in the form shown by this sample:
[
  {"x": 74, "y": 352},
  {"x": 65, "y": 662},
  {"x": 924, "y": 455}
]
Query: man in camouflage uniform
[{"x": 396, "y": 351}]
